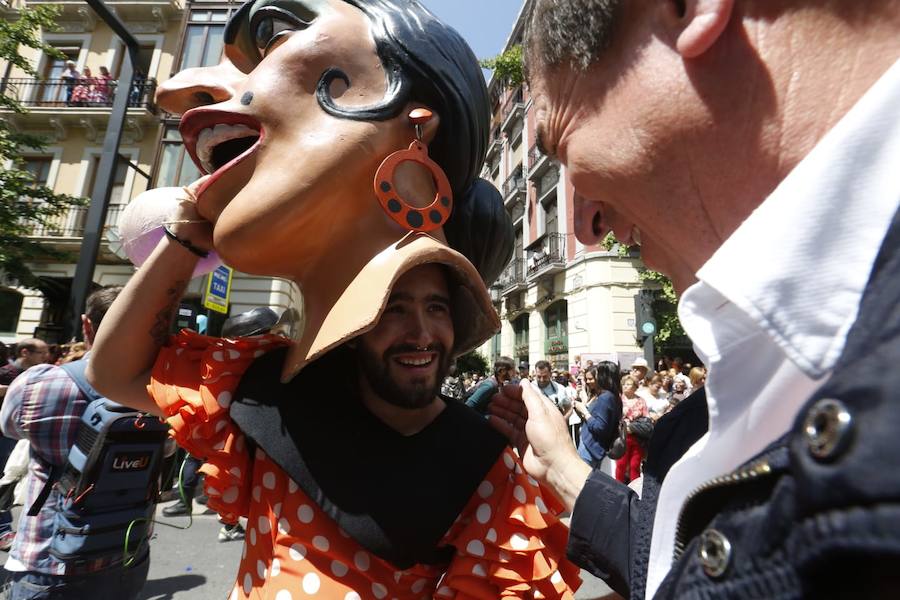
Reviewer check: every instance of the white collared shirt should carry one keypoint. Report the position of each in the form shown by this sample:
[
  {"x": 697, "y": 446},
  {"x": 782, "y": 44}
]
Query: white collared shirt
[{"x": 771, "y": 310}]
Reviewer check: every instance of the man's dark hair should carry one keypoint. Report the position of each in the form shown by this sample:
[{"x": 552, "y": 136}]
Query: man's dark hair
[
  {"x": 541, "y": 364},
  {"x": 502, "y": 365},
  {"x": 4, "y": 354},
  {"x": 569, "y": 33},
  {"x": 99, "y": 302}
]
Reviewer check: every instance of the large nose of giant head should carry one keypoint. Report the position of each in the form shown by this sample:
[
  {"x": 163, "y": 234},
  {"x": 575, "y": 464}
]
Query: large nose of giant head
[{"x": 199, "y": 86}]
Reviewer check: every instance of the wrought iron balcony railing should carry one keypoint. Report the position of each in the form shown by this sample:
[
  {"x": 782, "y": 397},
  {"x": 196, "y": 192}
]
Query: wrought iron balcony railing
[
  {"x": 517, "y": 211},
  {"x": 70, "y": 224},
  {"x": 547, "y": 182},
  {"x": 513, "y": 276},
  {"x": 516, "y": 97},
  {"x": 549, "y": 256},
  {"x": 68, "y": 93},
  {"x": 514, "y": 183}
]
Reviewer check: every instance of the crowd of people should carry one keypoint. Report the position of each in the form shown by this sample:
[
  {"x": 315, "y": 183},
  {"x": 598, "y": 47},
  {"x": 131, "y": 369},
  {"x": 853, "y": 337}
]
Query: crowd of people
[
  {"x": 777, "y": 479},
  {"x": 86, "y": 89},
  {"x": 598, "y": 401}
]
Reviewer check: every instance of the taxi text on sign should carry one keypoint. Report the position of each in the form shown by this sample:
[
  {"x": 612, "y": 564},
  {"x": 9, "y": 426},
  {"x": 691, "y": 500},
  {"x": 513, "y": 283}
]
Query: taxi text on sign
[{"x": 218, "y": 290}]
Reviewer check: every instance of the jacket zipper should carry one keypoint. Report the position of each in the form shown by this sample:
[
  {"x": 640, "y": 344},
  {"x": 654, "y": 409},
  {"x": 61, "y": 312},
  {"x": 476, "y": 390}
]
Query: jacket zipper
[{"x": 754, "y": 470}]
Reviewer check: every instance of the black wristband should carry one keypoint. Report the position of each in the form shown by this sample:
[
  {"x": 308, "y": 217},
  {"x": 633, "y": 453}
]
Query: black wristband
[{"x": 185, "y": 243}]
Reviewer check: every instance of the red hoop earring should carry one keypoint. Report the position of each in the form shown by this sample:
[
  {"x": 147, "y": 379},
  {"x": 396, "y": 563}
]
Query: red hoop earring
[{"x": 424, "y": 219}]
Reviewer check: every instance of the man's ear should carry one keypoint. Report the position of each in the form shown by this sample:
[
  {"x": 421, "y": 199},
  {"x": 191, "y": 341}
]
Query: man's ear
[
  {"x": 703, "y": 22},
  {"x": 87, "y": 328}
]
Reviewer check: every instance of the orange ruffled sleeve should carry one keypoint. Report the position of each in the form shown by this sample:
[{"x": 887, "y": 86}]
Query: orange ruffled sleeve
[
  {"x": 193, "y": 382},
  {"x": 510, "y": 542}
]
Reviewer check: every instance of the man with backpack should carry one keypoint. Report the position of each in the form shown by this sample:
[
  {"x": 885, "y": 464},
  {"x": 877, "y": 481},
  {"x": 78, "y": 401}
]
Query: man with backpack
[{"x": 83, "y": 532}]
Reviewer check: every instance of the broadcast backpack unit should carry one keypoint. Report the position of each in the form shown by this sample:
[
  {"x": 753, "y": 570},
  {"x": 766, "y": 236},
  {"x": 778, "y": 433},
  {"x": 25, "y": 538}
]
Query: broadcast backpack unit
[{"x": 108, "y": 488}]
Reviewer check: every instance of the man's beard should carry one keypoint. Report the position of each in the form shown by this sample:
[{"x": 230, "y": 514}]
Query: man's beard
[{"x": 376, "y": 370}]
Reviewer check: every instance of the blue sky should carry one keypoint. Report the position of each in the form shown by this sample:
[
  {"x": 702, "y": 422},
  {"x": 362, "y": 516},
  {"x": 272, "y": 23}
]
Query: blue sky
[{"x": 485, "y": 24}]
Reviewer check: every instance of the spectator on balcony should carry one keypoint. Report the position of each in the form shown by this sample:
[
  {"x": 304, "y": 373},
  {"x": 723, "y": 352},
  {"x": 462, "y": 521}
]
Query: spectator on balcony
[
  {"x": 537, "y": 259},
  {"x": 70, "y": 79},
  {"x": 103, "y": 87},
  {"x": 137, "y": 88},
  {"x": 85, "y": 89}
]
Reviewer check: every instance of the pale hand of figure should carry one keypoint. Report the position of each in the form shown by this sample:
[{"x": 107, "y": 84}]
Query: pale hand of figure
[
  {"x": 535, "y": 427},
  {"x": 138, "y": 322},
  {"x": 187, "y": 224}
]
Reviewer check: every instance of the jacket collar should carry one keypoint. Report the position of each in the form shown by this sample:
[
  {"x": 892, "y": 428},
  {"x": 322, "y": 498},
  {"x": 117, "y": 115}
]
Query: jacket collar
[{"x": 816, "y": 237}]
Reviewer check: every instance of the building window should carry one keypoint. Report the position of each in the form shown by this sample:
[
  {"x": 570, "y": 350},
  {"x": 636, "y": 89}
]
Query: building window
[
  {"x": 556, "y": 318},
  {"x": 551, "y": 220},
  {"x": 520, "y": 335},
  {"x": 10, "y": 307},
  {"x": 176, "y": 169},
  {"x": 203, "y": 41},
  {"x": 52, "y": 89},
  {"x": 118, "y": 186},
  {"x": 39, "y": 167},
  {"x": 142, "y": 68}
]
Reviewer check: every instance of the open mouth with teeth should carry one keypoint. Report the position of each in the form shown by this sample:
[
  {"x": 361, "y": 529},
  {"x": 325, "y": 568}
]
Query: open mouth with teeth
[
  {"x": 415, "y": 363},
  {"x": 408, "y": 361},
  {"x": 220, "y": 145},
  {"x": 218, "y": 140}
]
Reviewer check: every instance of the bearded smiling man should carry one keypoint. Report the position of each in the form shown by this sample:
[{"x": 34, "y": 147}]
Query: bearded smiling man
[
  {"x": 404, "y": 373},
  {"x": 752, "y": 149},
  {"x": 404, "y": 359}
]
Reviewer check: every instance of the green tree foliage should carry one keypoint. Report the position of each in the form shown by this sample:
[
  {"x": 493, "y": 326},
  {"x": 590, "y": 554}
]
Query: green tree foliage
[
  {"x": 24, "y": 205},
  {"x": 473, "y": 363},
  {"x": 669, "y": 333},
  {"x": 508, "y": 67}
]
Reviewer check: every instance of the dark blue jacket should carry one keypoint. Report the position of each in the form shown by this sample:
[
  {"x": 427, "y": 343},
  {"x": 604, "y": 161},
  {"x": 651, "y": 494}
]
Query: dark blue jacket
[
  {"x": 482, "y": 395},
  {"x": 816, "y": 515},
  {"x": 598, "y": 432}
]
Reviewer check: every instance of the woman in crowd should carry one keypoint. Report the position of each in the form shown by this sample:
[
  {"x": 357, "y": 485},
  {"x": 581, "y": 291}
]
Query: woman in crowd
[
  {"x": 601, "y": 414},
  {"x": 103, "y": 87},
  {"x": 656, "y": 398},
  {"x": 628, "y": 467},
  {"x": 85, "y": 89}
]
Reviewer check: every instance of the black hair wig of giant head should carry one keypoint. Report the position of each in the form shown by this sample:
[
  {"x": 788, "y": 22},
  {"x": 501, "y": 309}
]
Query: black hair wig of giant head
[{"x": 426, "y": 61}]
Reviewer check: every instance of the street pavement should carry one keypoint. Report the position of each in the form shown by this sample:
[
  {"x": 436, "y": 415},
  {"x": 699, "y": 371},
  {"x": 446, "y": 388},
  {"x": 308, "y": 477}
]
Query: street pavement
[{"x": 191, "y": 564}]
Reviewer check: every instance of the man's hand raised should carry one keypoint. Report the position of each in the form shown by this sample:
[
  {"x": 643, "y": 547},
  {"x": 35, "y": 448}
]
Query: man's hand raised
[{"x": 538, "y": 431}]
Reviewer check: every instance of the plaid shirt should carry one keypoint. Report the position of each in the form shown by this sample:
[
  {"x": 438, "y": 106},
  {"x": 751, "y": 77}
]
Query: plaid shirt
[{"x": 44, "y": 406}]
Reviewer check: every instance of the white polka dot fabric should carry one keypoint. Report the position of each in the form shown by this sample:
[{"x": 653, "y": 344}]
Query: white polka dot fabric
[{"x": 293, "y": 550}]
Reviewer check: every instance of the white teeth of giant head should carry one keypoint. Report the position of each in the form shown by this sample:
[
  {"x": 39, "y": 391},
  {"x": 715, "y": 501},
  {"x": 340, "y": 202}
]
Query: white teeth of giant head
[{"x": 210, "y": 138}]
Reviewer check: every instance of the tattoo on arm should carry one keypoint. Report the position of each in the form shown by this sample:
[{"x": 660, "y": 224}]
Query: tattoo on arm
[{"x": 160, "y": 330}]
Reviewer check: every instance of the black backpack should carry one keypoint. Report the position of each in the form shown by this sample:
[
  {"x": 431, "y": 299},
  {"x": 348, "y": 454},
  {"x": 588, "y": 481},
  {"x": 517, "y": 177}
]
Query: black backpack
[{"x": 108, "y": 488}]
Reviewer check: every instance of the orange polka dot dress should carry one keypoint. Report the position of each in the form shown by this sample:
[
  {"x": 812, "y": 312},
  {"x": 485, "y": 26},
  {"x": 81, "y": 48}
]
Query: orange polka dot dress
[{"x": 509, "y": 542}]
